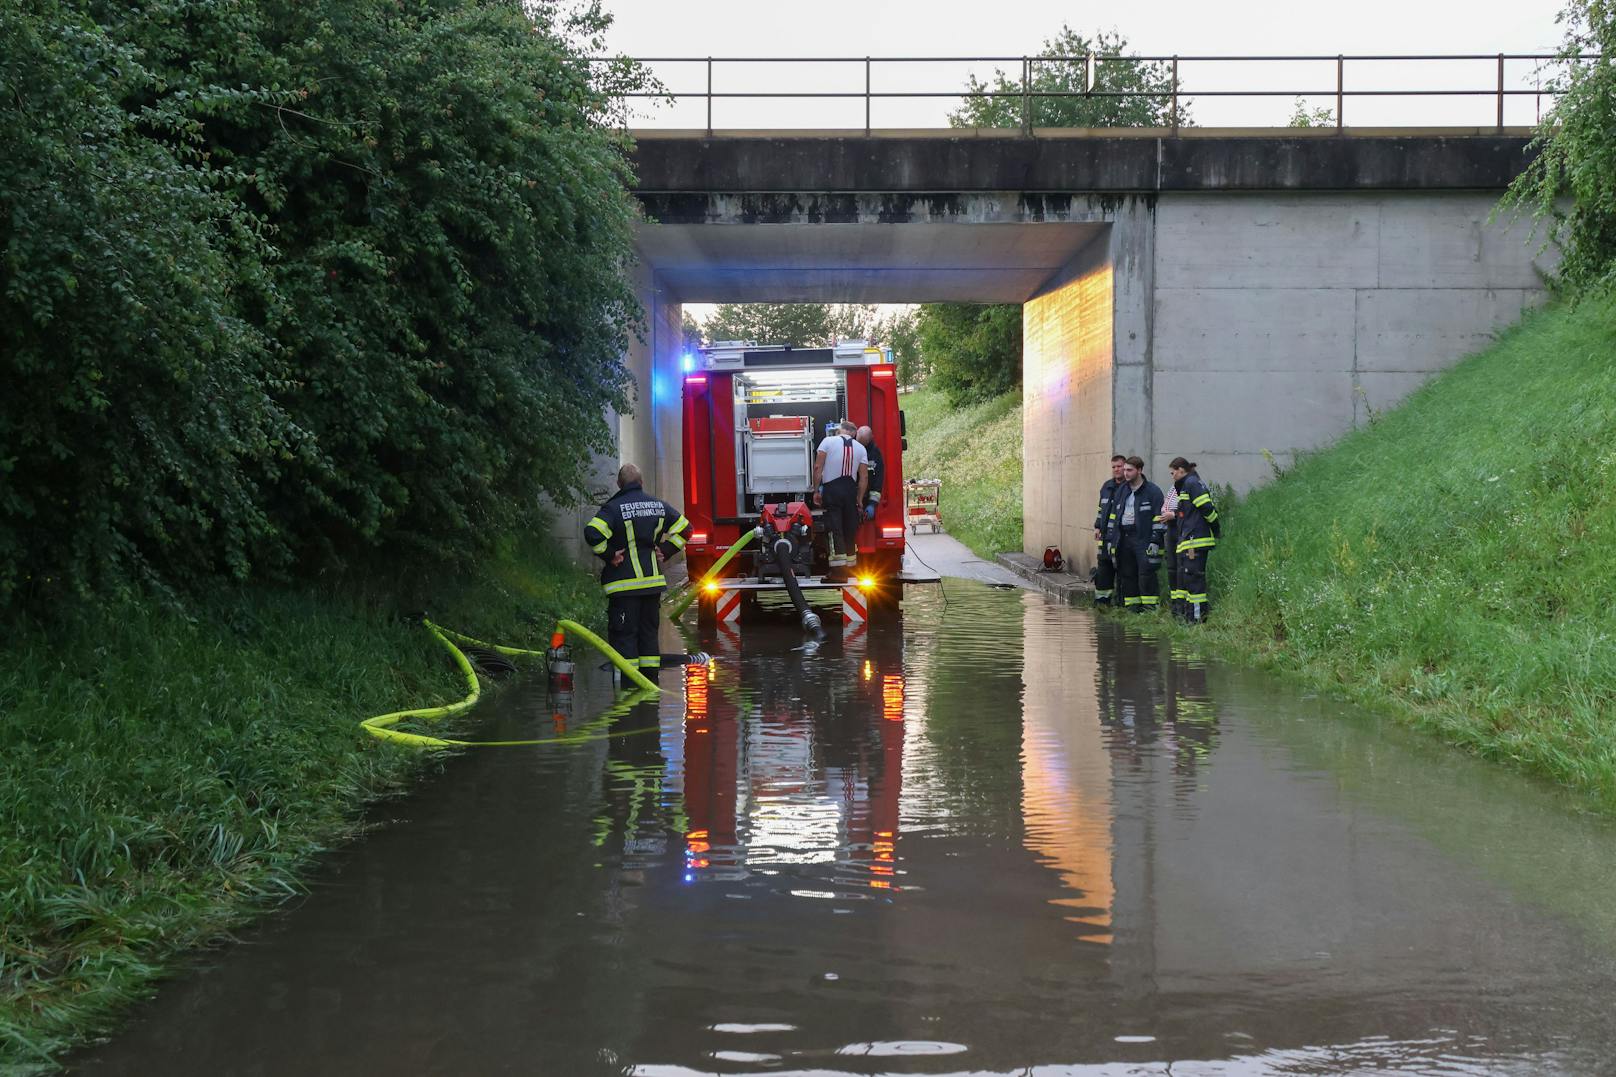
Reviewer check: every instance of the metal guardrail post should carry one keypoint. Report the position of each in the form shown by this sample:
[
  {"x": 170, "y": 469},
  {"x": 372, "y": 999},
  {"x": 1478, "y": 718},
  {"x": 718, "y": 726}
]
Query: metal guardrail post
[
  {"x": 1500, "y": 93},
  {"x": 709, "y": 97},
  {"x": 1026, "y": 95},
  {"x": 866, "y": 97},
  {"x": 1340, "y": 91},
  {"x": 1175, "y": 95}
]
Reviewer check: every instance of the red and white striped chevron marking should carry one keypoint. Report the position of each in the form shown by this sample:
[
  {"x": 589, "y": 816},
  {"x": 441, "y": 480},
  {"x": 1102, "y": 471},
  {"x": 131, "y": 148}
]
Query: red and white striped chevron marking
[
  {"x": 855, "y": 607},
  {"x": 729, "y": 607}
]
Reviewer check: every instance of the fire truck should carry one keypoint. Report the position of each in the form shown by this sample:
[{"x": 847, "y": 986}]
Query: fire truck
[{"x": 753, "y": 417}]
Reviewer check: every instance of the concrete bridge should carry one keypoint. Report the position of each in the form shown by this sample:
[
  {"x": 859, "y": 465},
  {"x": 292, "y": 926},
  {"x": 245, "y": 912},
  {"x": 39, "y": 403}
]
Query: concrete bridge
[{"x": 1232, "y": 296}]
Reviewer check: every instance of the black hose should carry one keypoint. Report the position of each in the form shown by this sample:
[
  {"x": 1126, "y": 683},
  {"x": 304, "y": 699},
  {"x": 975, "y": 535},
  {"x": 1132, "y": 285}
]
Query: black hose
[{"x": 782, "y": 557}]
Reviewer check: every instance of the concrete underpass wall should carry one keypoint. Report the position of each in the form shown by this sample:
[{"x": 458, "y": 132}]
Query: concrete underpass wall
[
  {"x": 649, "y": 435},
  {"x": 1069, "y": 383},
  {"x": 1281, "y": 321}
]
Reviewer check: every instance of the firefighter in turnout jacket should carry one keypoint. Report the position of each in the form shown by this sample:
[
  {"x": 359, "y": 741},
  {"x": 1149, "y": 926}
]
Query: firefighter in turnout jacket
[
  {"x": 633, "y": 534},
  {"x": 1198, "y": 532},
  {"x": 1105, "y": 569},
  {"x": 1135, "y": 536}
]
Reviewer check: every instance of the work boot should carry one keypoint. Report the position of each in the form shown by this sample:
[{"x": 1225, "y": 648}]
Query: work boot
[{"x": 839, "y": 574}]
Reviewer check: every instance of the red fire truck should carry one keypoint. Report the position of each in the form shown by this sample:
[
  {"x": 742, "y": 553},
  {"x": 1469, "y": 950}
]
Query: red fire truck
[{"x": 753, "y": 417}]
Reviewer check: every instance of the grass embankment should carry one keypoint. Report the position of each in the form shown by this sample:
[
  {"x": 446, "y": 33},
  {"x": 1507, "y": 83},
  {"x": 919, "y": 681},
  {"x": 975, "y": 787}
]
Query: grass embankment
[
  {"x": 976, "y": 451},
  {"x": 1457, "y": 557},
  {"x": 164, "y": 775}
]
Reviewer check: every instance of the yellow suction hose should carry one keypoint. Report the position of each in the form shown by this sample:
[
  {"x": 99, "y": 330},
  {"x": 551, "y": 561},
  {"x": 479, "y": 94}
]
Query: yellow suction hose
[
  {"x": 683, "y": 603},
  {"x": 381, "y": 725}
]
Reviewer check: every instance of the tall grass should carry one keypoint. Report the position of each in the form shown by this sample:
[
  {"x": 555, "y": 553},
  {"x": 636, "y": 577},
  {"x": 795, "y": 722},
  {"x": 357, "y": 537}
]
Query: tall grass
[
  {"x": 1457, "y": 557},
  {"x": 976, "y": 451},
  {"x": 165, "y": 773}
]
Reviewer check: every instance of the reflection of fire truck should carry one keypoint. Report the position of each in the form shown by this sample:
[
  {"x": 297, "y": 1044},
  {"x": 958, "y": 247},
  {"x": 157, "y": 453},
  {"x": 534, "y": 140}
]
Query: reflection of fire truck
[{"x": 753, "y": 416}]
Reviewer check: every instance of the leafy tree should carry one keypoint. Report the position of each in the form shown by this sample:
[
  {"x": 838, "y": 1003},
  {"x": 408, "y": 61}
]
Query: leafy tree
[
  {"x": 138, "y": 420},
  {"x": 1146, "y": 88},
  {"x": 1571, "y": 182},
  {"x": 295, "y": 283},
  {"x": 900, "y": 330},
  {"x": 1302, "y": 116},
  {"x": 800, "y": 325},
  {"x": 973, "y": 351}
]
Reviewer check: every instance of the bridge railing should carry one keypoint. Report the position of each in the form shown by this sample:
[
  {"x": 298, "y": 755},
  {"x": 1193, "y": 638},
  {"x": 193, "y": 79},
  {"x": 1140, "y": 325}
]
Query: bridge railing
[{"x": 1029, "y": 92}]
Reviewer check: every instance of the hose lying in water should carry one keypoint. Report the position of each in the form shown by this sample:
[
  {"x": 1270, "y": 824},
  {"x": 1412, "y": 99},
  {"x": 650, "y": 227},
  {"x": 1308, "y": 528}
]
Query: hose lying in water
[
  {"x": 810, "y": 619},
  {"x": 683, "y": 602},
  {"x": 380, "y": 726}
]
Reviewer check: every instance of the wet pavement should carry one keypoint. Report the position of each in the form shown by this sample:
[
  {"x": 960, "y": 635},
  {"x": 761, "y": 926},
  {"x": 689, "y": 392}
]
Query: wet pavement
[{"x": 995, "y": 836}]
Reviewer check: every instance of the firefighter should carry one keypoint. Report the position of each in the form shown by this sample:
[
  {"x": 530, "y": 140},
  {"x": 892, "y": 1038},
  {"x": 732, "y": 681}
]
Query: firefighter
[
  {"x": 1169, "y": 517},
  {"x": 878, "y": 471},
  {"x": 633, "y": 534},
  {"x": 1198, "y": 532},
  {"x": 1105, "y": 569},
  {"x": 841, "y": 478},
  {"x": 1135, "y": 536}
]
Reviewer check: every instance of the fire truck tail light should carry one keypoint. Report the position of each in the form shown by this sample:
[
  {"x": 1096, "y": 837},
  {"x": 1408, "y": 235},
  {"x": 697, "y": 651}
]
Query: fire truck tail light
[
  {"x": 696, "y": 379},
  {"x": 698, "y": 538},
  {"x": 882, "y": 372},
  {"x": 892, "y": 532}
]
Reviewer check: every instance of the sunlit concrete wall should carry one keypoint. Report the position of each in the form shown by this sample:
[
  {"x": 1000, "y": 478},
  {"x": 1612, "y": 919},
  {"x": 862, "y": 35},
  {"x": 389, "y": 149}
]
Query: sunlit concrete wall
[
  {"x": 1281, "y": 321},
  {"x": 1068, "y": 389}
]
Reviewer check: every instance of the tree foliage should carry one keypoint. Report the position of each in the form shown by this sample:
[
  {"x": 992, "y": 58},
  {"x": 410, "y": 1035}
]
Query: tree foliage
[
  {"x": 1570, "y": 185},
  {"x": 801, "y": 325},
  {"x": 1144, "y": 89},
  {"x": 294, "y": 283},
  {"x": 1303, "y": 116},
  {"x": 973, "y": 351}
]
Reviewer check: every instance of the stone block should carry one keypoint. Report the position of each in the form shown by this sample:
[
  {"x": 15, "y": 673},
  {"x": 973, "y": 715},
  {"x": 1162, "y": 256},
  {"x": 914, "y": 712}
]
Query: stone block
[
  {"x": 1428, "y": 329},
  {"x": 1445, "y": 241},
  {"x": 1246, "y": 412},
  {"x": 1254, "y": 329},
  {"x": 1267, "y": 241}
]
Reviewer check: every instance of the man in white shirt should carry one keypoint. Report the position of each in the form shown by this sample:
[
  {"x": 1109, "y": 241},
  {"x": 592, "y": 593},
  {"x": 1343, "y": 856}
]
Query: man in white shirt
[{"x": 841, "y": 477}]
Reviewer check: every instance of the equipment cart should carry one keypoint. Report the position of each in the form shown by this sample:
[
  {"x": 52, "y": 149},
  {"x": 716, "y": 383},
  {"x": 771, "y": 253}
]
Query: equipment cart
[{"x": 920, "y": 504}]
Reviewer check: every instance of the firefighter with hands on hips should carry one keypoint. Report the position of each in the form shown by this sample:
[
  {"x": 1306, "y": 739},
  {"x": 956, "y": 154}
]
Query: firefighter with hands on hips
[
  {"x": 633, "y": 533},
  {"x": 1135, "y": 536},
  {"x": 1105, "y": 569},
  {"x": 1198, "y": 532}
]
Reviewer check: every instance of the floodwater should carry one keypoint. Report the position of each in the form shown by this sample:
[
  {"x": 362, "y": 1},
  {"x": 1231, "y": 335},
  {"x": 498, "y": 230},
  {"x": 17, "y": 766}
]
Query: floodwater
[{"x": 1001, "y": 837}]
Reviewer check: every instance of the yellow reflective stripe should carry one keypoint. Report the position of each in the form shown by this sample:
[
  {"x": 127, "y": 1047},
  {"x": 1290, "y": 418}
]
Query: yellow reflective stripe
[
  {"x": 676, "y": 541},
  {"x": 679, "y": 525},
  {"x": 658, "y": 532},
  {"x": 1194, "y": 598},
  {"x": 600, "y": 525},
  {"x": 599, "y": 547},
  {"x": 1131, "y": 600},
  {"x": 633, "y": 551},
  {"x": 643, "y": 584},
  {"x": 651, "y": 661},
  {"x": 1197, "y": 543},
  {"x": 1150, "y": 600},
  {"x": 1203, "y": 499}
]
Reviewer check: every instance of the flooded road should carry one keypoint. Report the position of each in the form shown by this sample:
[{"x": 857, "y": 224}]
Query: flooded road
[{"x": 1001, "y": 837}]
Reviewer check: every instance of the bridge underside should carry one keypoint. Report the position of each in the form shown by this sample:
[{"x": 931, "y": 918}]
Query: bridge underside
[{"x": 1171, "y": 304}]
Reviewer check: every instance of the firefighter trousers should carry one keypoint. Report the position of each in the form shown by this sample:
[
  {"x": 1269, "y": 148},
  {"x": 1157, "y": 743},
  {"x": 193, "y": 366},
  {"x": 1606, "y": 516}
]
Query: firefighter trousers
[
  {"x": 1192, "y": 583},
  {"x": 633, "y": 619},
  {"x": 1175, "y": 590},
  {"x": 1105, "y": 579},
  {"x": 1136, "y": 577},
  {"x": 842, "y": 520}
]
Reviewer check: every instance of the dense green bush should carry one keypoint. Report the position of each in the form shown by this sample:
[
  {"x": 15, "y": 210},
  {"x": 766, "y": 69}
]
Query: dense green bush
[
  {"x": 972, "y": 352},
  {"x": 290, "y": 282}
]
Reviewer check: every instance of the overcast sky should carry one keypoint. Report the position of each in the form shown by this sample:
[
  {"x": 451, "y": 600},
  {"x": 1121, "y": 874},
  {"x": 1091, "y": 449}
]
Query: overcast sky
[{"x": 856, "y": 28}]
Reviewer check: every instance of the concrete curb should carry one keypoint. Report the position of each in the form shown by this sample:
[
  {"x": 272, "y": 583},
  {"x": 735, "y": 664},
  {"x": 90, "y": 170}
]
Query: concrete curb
[{"x": 1062, "y": 585}]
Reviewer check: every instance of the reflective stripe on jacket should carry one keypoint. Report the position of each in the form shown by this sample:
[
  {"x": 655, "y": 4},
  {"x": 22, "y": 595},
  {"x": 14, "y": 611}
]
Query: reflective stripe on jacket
[
  {"x": 637, "y": 525},
  {"x": 1104, "y": 514},
  {"x": 1197, "y": 515}
]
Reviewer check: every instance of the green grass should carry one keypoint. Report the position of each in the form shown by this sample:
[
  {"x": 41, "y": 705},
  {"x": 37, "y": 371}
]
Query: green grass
[
  {"x": 976, "y": 451},
  {"x": 164, "y": 775},
  {"x": 1455, "y": 559}
]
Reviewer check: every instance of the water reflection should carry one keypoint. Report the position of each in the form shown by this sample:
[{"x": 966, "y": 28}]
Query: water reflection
[{"x": 997, "y": 837}]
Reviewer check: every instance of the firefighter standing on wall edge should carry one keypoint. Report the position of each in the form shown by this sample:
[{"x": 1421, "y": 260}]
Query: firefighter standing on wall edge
[
  {"x": 1198, "y": 532},
  {"x": 1105, "y": 569},
  {"x": 633, "y": 533}
]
